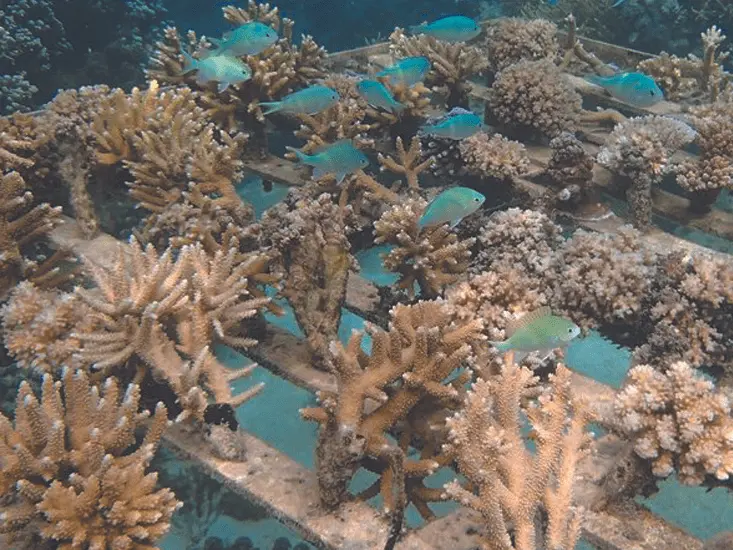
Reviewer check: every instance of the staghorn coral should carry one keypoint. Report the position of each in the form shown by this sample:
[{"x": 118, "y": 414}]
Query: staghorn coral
[
  {"x": 406, "y": 367},
  {"x": 691, "y": 77},
  {"x": 679, "y": 421},
  {"x": 601, "y": 279},
  {"x": 21, "y": 223},
  {"x": 19, "y": 140},
  {"x": 309, "y": 236},
  {"x": 520, "y": 239},
  {"x": 75, "y": 475},
  {"x": 512, "y": 40},
  {"x": 452, "y": 64},
  {"x": 409, "y": 162},
  {"x": 161, "y": 315},
  {"x": 712, "y": 170},
  {"x": 534, "y": 98},
  {"x": 509, "y": 485},
  {"x": 640, "y": 149},
  {"x": 433, "y": 258},
  {"x": 277, "y": 71},
  {"x": 163, "y": 140},
  {"x": 494, "y": 157}
]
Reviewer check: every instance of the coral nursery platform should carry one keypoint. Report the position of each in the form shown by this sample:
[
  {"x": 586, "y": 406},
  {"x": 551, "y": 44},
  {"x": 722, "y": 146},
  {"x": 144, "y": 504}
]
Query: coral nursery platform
[{"x": 287, "y": 489}]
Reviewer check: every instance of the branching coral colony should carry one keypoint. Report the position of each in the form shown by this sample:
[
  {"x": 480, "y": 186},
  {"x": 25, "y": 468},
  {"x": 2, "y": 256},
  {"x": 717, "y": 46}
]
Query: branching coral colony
[{"x": 125, "y": 342}]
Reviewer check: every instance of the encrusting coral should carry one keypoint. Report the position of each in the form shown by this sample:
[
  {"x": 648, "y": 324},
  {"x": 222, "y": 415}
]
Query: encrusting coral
[
  {"x": 452, "y": 63},
  {"x": 640, "y": 149},
  {"x": 509, "y": 485},
  {"x": 512, "y": 40},
  {"x": 74, "y": 473},
  {"x": 679, "y": 421},
  {"x": 534, "y": 98},
  {"x": 433, "y": 257},
  {"x": 494, "y": 157},
  {"x": 407, "y": 365},
  {"x": 309, "y": 237}
]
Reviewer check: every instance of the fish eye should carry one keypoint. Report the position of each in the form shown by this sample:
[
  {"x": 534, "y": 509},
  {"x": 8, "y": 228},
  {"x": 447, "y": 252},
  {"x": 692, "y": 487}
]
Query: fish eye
[
  {"x": 475, "y": 199},
  {"x": 570, "y": 330}
]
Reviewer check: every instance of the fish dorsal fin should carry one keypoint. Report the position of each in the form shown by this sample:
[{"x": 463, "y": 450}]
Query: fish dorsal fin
[{"x": 515, "y": 324}]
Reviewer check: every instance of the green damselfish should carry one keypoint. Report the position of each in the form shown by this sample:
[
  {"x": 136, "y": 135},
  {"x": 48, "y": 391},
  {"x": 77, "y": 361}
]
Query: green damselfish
[
  {"x": 252, "y": 38},
  {"x": 451, "y": 206},
  {"x": 538, "y": 330},
  {"x": 339, "y": 159},
  {"x": 225, "y": 70}
]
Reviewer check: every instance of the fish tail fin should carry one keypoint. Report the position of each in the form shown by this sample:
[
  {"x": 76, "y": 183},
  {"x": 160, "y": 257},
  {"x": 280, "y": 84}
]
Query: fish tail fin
[
  {"x": 302, "y": 157},
  {"x": 618, "y": 3},
  {"x": 417, "y": 29},
  {"x": 215, "y": 42},
  {"x": 596, "y": 79},
  {"x": 269, "y": 107},
  {"x": 500, "y": 345},
  {"x": 189, "y": 62}
]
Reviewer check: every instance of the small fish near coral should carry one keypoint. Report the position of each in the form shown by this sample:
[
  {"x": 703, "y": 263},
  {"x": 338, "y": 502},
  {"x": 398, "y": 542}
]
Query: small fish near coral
[
  {"x": 377, "y": 95},
  {"x": 309, "y": 101},
  {"x": 225, "y": 70},
  {"x": 339, "y": 159},
  {"x": 458, "y": 124},
  {"x": 537, "y": 331},
  {"x": 407, "y": 71},
  {"x": 451, "y": 206},
  {"x": 454, "y": 28},
  {"x": 248, "y": 39},
  {"x": 636, "y": 89}
]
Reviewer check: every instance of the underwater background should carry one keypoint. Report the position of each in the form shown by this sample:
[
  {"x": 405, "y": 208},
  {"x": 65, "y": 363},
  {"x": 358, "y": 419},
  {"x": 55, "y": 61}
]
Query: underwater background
[{"x": 96, "y": 140}]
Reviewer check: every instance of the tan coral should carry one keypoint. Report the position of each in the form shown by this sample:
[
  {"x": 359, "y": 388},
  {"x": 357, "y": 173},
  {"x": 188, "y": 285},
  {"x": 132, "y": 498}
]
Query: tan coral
[
  {"x": 408, "y": 162},
  {"x": 413, "y": 358},
  {"x": 512, "y": 40},
  {"x": 277, "y": 71},
  {"x": 509, "y": 485},
  {"x": 679, "y": 420},
  {"x": 160, "y": 314},
  {"x": 20, "y": 224},
  {"x": 164, "y": 140},
  {"x": 72, "y": 471},
  {"x": 433, "y": 257},
  {"x": 602, "y": 279},
  {"x": 494, "y": 156},
  {"x": 452, "y": 64},
  {"x": 535, "y": 98},
  {"x": 37, "y": 326}
]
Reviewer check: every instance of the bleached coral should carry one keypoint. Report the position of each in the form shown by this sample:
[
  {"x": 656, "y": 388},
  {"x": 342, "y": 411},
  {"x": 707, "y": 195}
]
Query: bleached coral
[
  {"x": 512, "y": 40},
  {"x": 433, "y": 257},
  {"x": 641, "y": 149},
  {"x": 679, "y": 421},
  {"x": 73, "y": 473},
  {"x": 494, "y": 156},
  {"x": 600, "y": 278},
  {"x": 509, "y": 485},
  {"x": 534, "y": 97}
]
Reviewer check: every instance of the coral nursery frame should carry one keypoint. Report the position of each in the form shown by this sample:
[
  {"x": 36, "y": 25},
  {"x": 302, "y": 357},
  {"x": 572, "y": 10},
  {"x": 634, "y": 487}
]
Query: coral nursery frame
[{"x": 288, "y": 490}]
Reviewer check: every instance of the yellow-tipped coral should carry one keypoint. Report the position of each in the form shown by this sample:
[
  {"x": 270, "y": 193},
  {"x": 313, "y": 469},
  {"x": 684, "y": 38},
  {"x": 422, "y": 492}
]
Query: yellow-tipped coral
[{"x": 74, "y": 472}]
